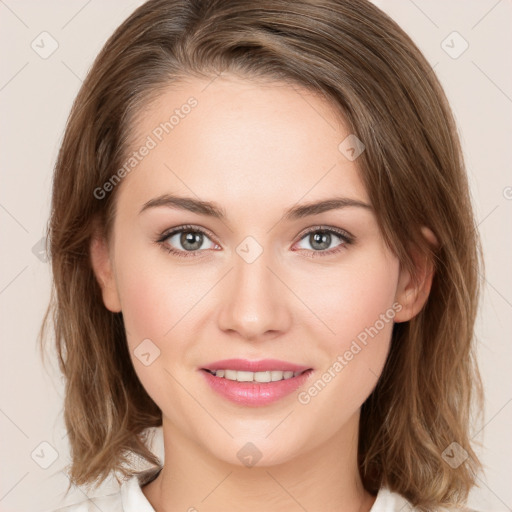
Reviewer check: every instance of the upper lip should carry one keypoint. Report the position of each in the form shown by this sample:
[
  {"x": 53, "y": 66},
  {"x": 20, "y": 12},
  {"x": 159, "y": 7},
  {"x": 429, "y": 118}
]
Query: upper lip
[{"x": 262, "y": 365}]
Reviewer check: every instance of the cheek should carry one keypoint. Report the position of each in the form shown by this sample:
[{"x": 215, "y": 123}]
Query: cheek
[
  {"x": 356, "y": 306},
  {"x": 154, "y": 295},
  {"x": 146, "y": 304},
  {"x": 351, "y": 296},
  {"x": 153, "y": 302}
]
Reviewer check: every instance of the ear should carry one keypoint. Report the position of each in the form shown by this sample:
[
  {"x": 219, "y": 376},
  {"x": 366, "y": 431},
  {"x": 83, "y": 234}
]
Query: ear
[
  {"x": 412, "y": 293},
  {"x": 103, "y": 270}
]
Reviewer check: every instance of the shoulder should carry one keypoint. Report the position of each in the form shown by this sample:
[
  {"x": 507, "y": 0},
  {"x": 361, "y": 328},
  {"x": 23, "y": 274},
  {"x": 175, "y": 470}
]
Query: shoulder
[
  {"x": 129, "y": 497},
  {"x": 112, "y": 503},
  {"x": 389, "y": 501}
]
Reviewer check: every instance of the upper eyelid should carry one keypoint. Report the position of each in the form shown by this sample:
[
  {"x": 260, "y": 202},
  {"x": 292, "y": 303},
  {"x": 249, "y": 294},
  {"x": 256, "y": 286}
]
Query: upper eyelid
[
  {"x": 338, "y": 231},
  {"x": 172, "y": 231}
]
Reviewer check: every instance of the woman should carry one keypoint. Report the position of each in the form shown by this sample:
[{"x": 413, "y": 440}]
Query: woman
[{"x": 262, "y": 241}]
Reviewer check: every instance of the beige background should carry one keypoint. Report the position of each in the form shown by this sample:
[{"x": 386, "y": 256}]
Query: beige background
[{"x": 35, "y": 97}]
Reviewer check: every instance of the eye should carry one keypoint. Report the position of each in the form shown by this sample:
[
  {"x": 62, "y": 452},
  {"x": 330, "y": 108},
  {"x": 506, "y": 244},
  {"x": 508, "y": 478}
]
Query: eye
[
  {"x": 320, "y": 239},
  {"x": 185, "y": 241}
]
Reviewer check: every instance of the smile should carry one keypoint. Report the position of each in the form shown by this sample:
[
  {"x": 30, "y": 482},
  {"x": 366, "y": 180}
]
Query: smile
[{"x": 255, "y": 383}]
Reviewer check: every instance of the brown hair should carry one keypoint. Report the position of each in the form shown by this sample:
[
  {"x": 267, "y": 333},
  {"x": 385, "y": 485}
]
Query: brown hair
[{"x": 388, "y": 95}]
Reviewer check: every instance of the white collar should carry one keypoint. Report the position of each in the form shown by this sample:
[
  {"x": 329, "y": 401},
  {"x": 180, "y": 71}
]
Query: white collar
[{"x": 134, "y": 500}]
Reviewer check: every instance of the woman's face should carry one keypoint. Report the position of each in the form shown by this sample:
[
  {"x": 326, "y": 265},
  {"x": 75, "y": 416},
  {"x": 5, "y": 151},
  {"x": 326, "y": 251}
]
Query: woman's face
[{"x": 253, "y": 284}]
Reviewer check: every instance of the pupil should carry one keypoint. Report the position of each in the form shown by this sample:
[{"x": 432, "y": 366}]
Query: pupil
[
  {"x": 323, "y": 239},
  {"x": 191, "y": 241}
]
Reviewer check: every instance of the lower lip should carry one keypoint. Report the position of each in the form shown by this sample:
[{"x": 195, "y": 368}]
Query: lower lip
[{"x": 255, "y": 394}]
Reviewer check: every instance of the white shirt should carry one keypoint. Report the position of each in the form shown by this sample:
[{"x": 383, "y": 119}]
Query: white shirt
[{"x": 130, "y": 498}]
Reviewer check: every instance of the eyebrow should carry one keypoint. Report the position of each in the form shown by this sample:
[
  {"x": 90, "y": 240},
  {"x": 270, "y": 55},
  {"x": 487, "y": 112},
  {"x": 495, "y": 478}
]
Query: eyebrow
[{"x": 212, "y": 209}]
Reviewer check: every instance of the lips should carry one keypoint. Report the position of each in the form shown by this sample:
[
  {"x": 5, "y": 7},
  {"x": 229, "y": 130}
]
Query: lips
[{"x": 255, "y": 394}]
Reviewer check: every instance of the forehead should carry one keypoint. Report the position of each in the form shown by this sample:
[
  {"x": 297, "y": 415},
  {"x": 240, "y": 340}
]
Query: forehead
[{"x": 244, "y": 144}]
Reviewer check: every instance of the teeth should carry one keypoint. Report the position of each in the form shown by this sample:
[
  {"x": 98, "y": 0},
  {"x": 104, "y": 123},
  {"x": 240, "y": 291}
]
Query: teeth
[{"x": 243, "y": 376}]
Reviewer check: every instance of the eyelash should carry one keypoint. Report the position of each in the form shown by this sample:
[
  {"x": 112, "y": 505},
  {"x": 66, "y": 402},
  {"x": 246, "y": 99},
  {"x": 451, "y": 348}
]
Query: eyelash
[{"x": 345, "y": 237}]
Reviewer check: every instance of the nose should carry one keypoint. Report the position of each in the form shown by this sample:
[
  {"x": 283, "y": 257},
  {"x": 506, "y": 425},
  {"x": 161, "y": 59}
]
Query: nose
[{"x": 255, "y": 300}]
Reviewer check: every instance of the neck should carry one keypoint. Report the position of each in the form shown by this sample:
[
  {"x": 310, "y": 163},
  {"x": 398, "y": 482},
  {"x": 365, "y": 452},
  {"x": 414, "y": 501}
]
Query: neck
[{"x": 324, "y": 478}]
